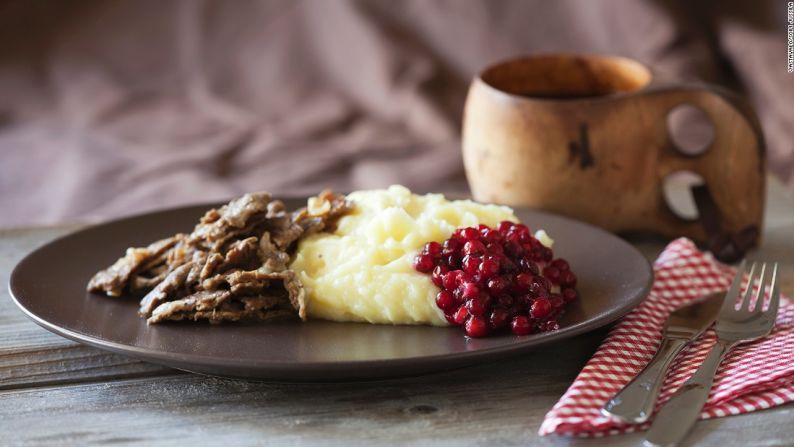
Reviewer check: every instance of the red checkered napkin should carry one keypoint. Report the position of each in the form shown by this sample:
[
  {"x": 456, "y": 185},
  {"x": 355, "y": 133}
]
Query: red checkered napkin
[{"x": 753, "y": 376}]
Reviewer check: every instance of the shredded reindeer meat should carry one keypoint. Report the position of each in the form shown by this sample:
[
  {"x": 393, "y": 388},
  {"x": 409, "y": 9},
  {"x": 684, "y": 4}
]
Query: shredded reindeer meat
[
  {"x": 114, "y": 279},
  {"x": 232, "y": 267}
]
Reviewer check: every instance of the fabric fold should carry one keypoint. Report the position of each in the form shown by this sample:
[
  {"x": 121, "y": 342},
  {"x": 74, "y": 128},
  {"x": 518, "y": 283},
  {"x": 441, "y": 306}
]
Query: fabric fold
[{"x": 753, "y": 376}]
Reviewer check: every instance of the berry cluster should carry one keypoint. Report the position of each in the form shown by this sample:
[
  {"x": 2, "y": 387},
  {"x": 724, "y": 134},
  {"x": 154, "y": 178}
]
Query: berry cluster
[{"x": 492, "y": 279}]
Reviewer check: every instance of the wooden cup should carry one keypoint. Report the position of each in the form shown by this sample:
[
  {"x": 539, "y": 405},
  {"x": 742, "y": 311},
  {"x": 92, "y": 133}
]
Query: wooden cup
[{"x": 586, "y": 136}]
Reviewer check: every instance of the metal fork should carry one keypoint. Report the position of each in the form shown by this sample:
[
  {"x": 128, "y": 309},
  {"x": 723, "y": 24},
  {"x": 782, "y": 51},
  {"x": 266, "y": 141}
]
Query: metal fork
[{"x": 733, "y": 327}]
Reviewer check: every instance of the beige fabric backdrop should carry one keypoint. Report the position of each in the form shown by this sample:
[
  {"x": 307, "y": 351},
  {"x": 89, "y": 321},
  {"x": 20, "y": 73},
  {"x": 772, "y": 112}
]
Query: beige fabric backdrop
[{"x": 114, "y": 107}]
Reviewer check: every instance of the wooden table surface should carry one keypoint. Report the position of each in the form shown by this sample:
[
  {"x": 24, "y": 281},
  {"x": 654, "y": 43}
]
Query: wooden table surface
[{"x": 56, "y": 392}]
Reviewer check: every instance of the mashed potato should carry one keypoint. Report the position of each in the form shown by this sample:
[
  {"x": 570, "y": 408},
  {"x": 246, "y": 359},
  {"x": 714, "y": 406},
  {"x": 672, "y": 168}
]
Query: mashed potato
[{"x": 363, "y": 271}]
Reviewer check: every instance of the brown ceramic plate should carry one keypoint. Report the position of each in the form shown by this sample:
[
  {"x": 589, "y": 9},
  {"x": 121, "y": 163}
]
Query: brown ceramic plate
[{"x": 49, "y": 286}]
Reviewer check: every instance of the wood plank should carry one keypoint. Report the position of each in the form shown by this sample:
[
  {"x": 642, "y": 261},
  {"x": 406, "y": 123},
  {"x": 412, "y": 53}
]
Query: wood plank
[
  {"x": 462, "y": 405},
  {"x": 72, "y": 363},
  {"x": 32, "y": 356},
  {"x": 500, "y": 404}
]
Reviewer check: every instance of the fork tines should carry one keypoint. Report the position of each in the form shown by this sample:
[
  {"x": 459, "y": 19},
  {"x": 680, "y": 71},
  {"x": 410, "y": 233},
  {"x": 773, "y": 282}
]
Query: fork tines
[{"x": 762, "y": 281}]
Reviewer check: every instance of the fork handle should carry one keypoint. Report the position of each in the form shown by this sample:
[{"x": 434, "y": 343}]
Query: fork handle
[
  {"x": 681, "y": 412},
  {"x": 634, "y": 403}
]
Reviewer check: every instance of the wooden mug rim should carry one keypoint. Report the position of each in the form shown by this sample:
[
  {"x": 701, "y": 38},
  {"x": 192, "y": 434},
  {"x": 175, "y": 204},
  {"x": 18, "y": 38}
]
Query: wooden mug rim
[{"x": 645, "y": 76}]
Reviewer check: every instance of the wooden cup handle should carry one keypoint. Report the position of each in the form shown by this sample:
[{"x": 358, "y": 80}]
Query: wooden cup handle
[{"x": 730, "y": 204}]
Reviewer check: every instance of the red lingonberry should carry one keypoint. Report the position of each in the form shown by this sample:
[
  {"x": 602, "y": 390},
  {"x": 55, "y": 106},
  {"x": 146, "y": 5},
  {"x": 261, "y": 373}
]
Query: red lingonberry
[
  {"x": 504, "y": 226},
  {"x": 491, "y": 236},
  {"x": 568, "y": 279},
  {"x": 469, "y": 290},
  {"x": 540, "y": 308},
  {"x": 499, "y": 318},
  {"x": 452, "y": 261},
  {"x": 451, "y": 246},
  {"x": 556, "y": 301},
  {"x": 471, "y": 264},
  {"x": 433, "y": 249},
  {"x": 523, "y": 282},
  {"x": 473, "y": 247},
  {"x": 552, "y": 273},
  {"x": 569, "y": 294},
  {"x": 497, "y": 285},
  {"x": 528, "y": 265},
  {"x": 470, "y": 234},
  {"x": 477, "y": 306},
  {"x": 489, "y": 268},
  {"x": 438, "y": 275},
  {"x": 560, "y": 264},
  {"x": 423, "y": 263},
  {"x": 445, "y": 300},
  {"x": 449, "y": 280},
  {"x": 476, "y": 326},
  {"x": 491, "y": 278},
  {"x": 460, "y": 316},
  {"x": 521, "y": 325}
]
